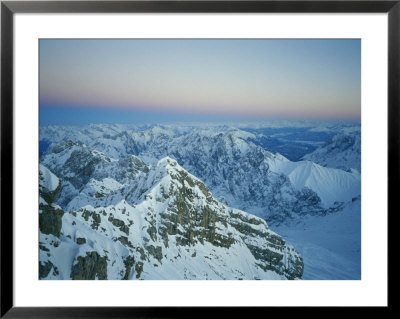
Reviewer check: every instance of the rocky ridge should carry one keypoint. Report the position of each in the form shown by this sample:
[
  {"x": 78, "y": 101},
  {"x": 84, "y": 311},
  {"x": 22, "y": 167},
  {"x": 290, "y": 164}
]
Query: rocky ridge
[
  {"x": 238, "y": 172},
  {"x": 170, "y": 228},
  {"x": 342, "y": 151}
]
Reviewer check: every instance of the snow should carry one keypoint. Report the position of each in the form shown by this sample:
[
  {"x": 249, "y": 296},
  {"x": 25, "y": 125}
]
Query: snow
[
  {"x": 342, "y": 151},
  {"x": 331, "y": 185},
  {"x": 197, "y": 261},
  {"x": 241, "y": 174},
  {"x": 106, "y": 185},
  {"x": 48, "y": 180},
  {"x": 330, "y": 245}
]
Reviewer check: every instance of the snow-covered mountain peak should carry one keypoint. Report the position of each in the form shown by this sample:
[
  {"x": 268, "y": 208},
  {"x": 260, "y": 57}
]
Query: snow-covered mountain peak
[
  {"x": 168, "y": 162},
  {"x": 49, "y": 186},
  {"x": 237, "y": 171},
  {"x": 167, "y": 173},
  {"x": 176, "y": 231},
  {"x": 331, "y": 185},
  {"x": 47, "y": 180},
  {"x": 342, "y": 151},
  {"x": 158, "y": 130}
]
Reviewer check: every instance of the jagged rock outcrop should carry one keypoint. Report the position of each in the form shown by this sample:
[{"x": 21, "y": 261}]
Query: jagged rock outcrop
[
  {"x": 171, "y": 228},
  {"x": 293, "y": 197},
  {"x": 341, "y": 151},
  {"x": 238, "y": 172},
  {"x": 50, "y": 218},
  {"x": 90, "y": 267}
]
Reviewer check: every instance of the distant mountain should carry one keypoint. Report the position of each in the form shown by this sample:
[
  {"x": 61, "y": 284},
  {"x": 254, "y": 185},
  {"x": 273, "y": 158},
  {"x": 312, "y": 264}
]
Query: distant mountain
[
  {"x": 102, "y": 166},
  {"x": 88, "y": 175},
  {"x": 341, "y": 151},
  {"x": 171, "y": 228},
  {"x": 238, "y": 172}
]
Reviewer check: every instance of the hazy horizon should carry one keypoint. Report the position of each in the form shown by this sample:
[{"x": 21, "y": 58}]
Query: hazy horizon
[{"x": 109, "y": 81}]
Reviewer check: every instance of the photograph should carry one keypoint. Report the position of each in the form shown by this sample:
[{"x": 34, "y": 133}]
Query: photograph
[{"x": 199, "y": 159}]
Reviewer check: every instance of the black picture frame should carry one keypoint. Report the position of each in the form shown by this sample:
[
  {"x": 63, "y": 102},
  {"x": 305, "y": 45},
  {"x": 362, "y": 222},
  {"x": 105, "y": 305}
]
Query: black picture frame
[{"x": 9, "y": 8}]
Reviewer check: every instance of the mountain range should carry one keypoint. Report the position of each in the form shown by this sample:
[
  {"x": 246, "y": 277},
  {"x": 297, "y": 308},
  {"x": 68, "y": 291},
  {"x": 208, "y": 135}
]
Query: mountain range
[
  {"x": 172, "y": 228},
  {"x": 103, "y": 167}
]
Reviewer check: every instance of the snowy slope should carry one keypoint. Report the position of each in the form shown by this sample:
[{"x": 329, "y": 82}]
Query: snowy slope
[
  {"x": 331, "y": 185},
  {"x": 238, "y": 172},
  {"x": 47, "y": 180},
  {"x": 342, "y": 151},
  {"x": 173, "y": 230},
  {"x": 330, "y": 245},
  {"x": 49, "y": 185},
  {"x": 303, "y": 201}
]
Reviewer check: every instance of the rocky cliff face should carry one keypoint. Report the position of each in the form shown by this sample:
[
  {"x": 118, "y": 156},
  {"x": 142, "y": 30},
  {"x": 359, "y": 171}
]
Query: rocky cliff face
[
  {"x": 341, "y": 151},
  {"x": 290, "y": 196},
  {"x": 238, "y": 172},
  {"x": 171, "y": 227},
  {"x": 50, "y": 220}
]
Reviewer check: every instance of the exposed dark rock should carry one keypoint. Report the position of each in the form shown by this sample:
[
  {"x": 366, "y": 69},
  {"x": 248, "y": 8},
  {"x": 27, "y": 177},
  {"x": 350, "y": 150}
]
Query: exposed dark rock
[
  {"x": 138, "y": 269},
  {"x": 44, "y": 269},
  {"x": 124, "y": 241},
  {"x": 90, "y": 267},
  {"x": 50, "y": 220},
  {"x": 81, "y": 241},
  {"x": 156, "y": 252},
  {"x": 128, "y": 262}
]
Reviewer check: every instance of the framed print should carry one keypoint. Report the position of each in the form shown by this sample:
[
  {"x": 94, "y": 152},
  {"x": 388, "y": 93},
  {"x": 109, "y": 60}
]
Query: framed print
[{"x": 160, "y": 155}]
